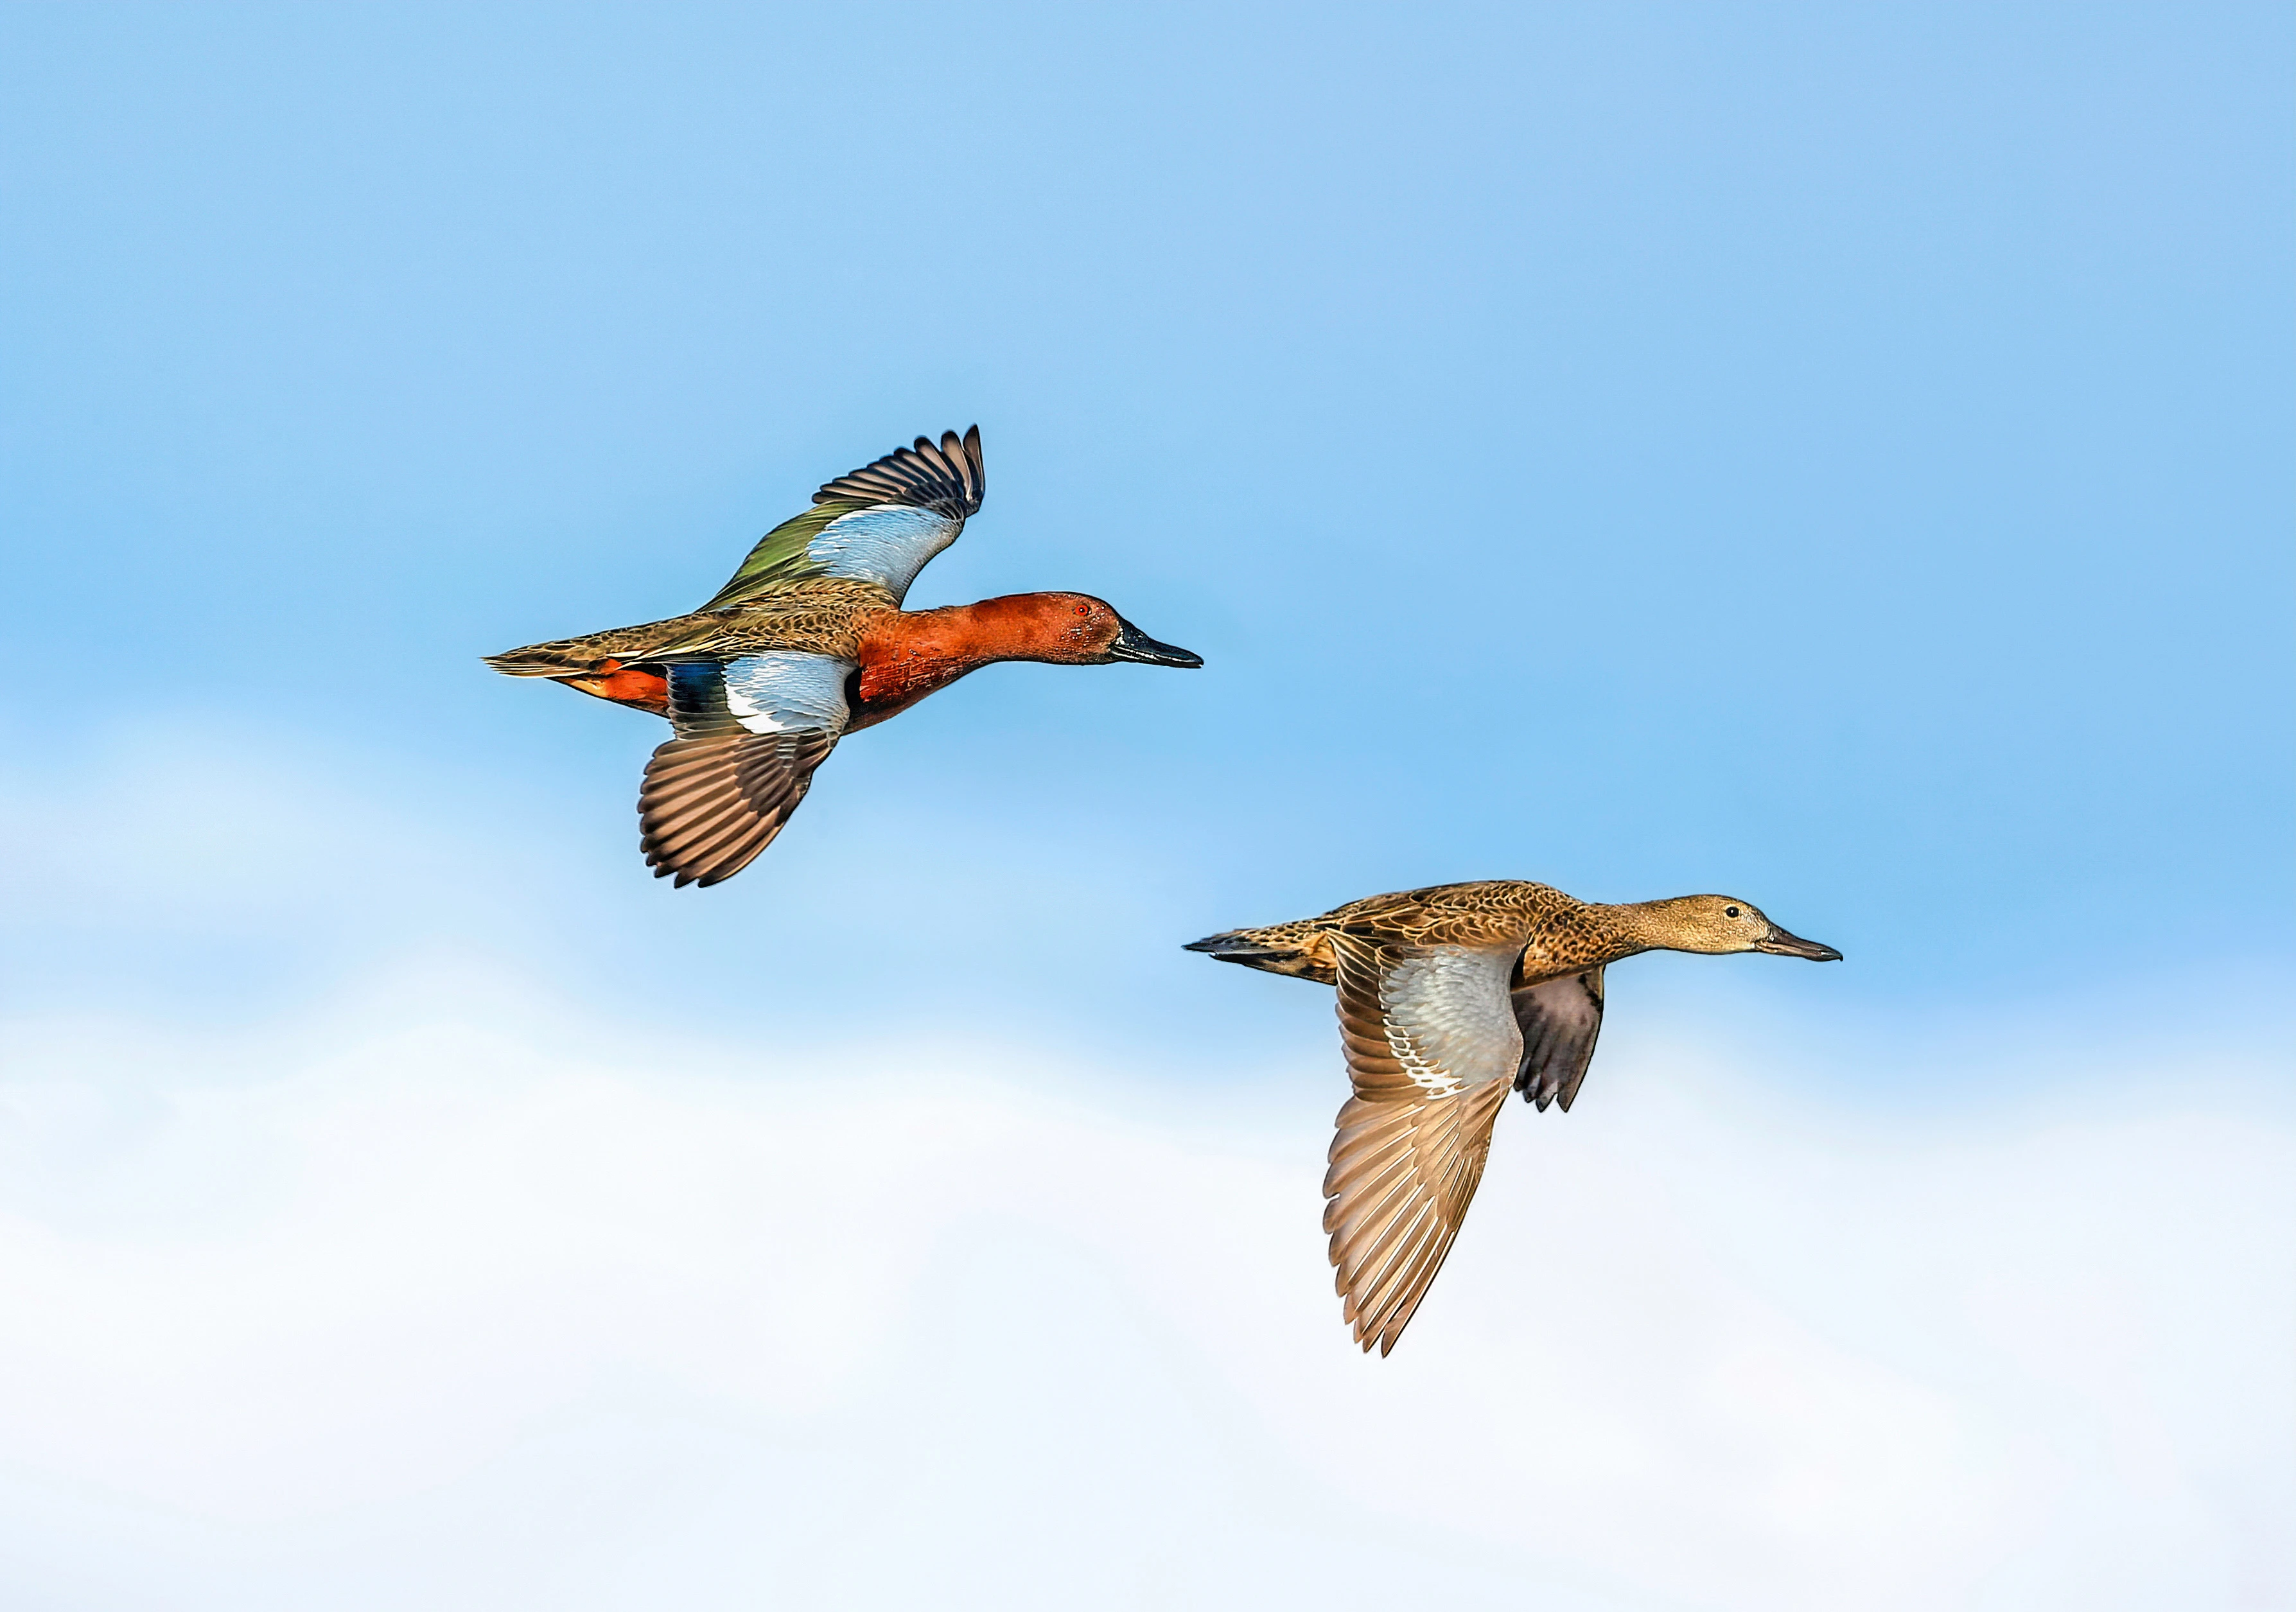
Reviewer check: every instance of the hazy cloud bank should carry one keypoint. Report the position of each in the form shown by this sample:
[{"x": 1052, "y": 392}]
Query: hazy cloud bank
[{"x": 444, "y": 1295}]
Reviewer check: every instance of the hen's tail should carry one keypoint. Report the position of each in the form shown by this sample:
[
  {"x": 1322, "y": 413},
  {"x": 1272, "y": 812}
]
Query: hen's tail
[{"x": 1283, "y": 948}]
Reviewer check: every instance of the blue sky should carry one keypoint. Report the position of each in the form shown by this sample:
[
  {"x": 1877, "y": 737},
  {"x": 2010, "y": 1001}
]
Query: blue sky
[
  {"x": 1837, "y": 461},
  {"x": 1838, "y": 456}
]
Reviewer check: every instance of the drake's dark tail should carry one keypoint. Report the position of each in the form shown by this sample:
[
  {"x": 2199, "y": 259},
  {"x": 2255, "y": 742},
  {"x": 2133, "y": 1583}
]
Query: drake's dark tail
[
  {"x": 566, "y": 658},
  {"x": 574, "y": 662}
]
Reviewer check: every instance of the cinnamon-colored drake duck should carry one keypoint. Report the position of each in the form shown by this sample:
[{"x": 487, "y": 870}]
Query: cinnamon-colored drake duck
[
  {"x": 1450, "y": 997},
  {"x": 809, "y": 643}
]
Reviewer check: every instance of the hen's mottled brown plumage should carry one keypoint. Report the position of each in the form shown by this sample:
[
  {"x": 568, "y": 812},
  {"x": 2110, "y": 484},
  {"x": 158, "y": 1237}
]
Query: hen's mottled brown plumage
[{"x": 1449, "y": 997}]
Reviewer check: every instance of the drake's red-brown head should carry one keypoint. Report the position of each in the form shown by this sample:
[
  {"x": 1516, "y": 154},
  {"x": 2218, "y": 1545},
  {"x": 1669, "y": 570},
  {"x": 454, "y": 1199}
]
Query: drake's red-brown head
[
  {"x": 1064, "y": 629},
  {"x": 906, "y": 655}
]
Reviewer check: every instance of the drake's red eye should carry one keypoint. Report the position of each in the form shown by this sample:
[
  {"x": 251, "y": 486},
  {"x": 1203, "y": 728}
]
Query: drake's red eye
[{"x": 1083, "y": 610}]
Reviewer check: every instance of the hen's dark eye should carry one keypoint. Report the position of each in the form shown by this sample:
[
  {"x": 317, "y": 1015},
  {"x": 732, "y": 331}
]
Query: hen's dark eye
[{"x": 1729, "y": 912}]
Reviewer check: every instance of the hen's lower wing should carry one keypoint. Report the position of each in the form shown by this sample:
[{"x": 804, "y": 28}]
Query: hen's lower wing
[{"x": 1432, "y": 1048}]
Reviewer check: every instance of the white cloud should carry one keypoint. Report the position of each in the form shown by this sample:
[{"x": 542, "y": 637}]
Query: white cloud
[{"x": 448, "y": 1298}]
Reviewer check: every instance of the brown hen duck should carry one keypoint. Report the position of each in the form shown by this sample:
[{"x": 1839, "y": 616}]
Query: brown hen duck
[{"x": 1450, "y": 997}]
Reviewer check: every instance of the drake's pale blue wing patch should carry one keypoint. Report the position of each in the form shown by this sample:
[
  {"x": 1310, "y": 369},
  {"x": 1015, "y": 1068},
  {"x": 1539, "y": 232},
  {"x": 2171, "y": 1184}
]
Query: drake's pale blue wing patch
[
  {"x": 915, "y": 500},
  {"x": 888, "y": 544},
  {"x": 750, "y": 734},
  {"x": 778, "y": 692},
  {"x": 782, "y": 690}
]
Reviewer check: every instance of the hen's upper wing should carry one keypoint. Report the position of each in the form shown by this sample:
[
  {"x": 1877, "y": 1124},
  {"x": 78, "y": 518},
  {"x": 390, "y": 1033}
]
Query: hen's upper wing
[
  {"x": 882, "y": 522},
  {"x": 1432, "y": 1049},
  {"x": 1559, "y": 1020},
  {"x": 749, "y": 733}
]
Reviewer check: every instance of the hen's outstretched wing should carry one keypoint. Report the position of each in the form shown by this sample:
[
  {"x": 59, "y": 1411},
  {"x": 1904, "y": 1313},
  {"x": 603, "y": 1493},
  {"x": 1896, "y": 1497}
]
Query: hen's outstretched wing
[{"x": 1432, "y": 1051}]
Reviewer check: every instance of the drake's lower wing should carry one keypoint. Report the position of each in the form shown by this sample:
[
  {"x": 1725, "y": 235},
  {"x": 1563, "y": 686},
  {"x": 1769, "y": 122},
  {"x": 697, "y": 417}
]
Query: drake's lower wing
[
  {"x": 1432, "y": 1051},
  {"x": 710, "y": 805},
  {"x": 749, "y": 733},
  {"x": 1559, "y": 1020}
]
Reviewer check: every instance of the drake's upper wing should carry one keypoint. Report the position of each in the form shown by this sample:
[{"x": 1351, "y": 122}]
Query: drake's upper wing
[
  {"x": 1432, "y": 1048},
  {"x": 749, "y": 733},
  {"x": 1559, "y": 1020},
  {"x": 882, "y": 522}
]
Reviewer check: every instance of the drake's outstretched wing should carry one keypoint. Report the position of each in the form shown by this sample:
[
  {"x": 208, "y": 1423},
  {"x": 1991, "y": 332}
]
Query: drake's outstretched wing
[
  {"x": 749, "y": 733},
  {"x": 1559, "y": 1020},
  {"x": 882, "y": 522},
  {"x": 1432, "y": 1049}
]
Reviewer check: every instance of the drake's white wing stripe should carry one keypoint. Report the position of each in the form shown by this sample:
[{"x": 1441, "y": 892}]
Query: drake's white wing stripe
[
  {"x": 1448, "y": 1019},
  {"x": 888, "y": 544},
  {"x": 782, "y": 690}
]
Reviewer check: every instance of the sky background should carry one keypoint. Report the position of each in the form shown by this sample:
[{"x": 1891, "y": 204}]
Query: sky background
[{"x": 1836, "y": 456}]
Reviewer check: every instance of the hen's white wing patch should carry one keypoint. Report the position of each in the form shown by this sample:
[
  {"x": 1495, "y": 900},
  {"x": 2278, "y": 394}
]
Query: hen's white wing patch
[
  {"x": 1448, "y": 1018},
  {"x": 1432, "y": 1049},
  {"x": 888, "y": 544}
]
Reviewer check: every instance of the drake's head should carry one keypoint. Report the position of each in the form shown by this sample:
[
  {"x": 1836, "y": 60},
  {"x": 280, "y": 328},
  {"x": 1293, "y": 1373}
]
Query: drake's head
[
  {"x": 1076, "y": 629},
  {"x": 1723, "y": 923}
]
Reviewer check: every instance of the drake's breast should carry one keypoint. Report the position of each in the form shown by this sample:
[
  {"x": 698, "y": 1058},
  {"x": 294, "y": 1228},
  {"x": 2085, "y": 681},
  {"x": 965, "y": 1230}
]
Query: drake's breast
[{"x": 904, "y": 657}]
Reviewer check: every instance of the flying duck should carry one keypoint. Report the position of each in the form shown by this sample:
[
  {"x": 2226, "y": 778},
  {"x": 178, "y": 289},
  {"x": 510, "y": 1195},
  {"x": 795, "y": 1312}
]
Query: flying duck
[
  {"x": 809, "y": 643},
  {"x": 1450, "y": 997}
]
